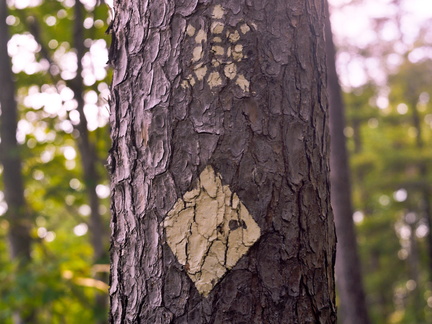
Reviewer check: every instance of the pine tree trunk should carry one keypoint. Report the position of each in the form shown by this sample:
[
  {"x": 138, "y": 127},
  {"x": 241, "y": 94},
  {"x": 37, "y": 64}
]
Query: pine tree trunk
[
  {"x": 348, "y": 267},
  {"x": 219, "y": 164}
]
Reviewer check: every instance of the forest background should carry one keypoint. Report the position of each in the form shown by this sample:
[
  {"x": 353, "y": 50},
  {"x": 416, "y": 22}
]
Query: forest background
[{"x": 59, "y": 51}]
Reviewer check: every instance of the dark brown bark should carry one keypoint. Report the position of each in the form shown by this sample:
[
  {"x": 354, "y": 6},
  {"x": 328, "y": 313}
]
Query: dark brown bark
[
  {"x": 348, "y": 267},
  {"x": 214, "y": 98}
]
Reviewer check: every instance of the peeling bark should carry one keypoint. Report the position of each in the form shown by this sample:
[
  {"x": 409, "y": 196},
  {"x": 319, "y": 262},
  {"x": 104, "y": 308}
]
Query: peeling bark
[{"x": 237, "y": 87}]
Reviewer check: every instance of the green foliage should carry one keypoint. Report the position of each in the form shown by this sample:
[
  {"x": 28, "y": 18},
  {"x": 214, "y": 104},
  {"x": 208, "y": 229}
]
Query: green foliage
[
  {"x": 392, "y": 182},
  {"x": 43, "y": 287}
]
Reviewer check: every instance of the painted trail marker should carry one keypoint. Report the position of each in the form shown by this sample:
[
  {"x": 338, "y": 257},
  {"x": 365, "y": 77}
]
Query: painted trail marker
[{"x": 209, "y": 230}]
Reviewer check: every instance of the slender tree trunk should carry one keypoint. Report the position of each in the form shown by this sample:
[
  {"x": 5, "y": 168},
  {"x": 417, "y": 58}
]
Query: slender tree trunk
[
  {"x": 98, "y": 233},
  {"x": 415, "y": 294},
  {"x": 348, "y": 268},
  {"x": 219, "y": 164},
  {"x": 89, "y": 158},
  {"x": 18, "y": 214},
  {"x": 425, "y": 206},
  {"x": 85, "y": 146},
  {"x": 357, "y": 136}
]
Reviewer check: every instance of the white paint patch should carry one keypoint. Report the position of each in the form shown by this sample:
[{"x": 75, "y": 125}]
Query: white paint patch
[
  {"x": 238, "y": 53},
  {"x": 209, "y": 230},
  {"x": 201, "y": 36},
  {"x": 184, "y": 84},
  {"x": 218, "y": 12},
  {"x": 237, "y": 57},
  {"x": 190, "y": 30},
  {"x": 217, "y": 27},
  {"x": 197, "y": 54},
  {"x": 238, "y": 48},
  {"x": 214, "y": 80},
  {"x": 201, "y": 72},
  {"x": 244, "y": 28},
  {"x": 229, "y": 52},
  {"x": 218, "y": 50},
  {"x": 234, "y": 37},
  {"x": 243, "y": 83},
  {"x": 215, "y": 63},
  {"x": 192, "y": 80},
  {"x": 225, "y": 55},
  {"x": 230, "y": 71}
]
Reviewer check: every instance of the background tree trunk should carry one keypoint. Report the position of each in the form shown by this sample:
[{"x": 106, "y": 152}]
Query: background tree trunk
[
  {"x": 348, "y": 267},
  {"x": 85, "y": 146},
  {"x": 89, "y": 161},
  {"x": 17, "y": 215},
  {"x": 219, "y": 165}
]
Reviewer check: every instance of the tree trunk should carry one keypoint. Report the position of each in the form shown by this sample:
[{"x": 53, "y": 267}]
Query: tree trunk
[
  {"x": 425, "y": 206},
  {"x": 89, "y": 160},
  {"x": 348, "y": 268},
  {"x": 17, "y": 215},
  {"x": 85, "y": 146},
  {"x": 219, "y": 164}
]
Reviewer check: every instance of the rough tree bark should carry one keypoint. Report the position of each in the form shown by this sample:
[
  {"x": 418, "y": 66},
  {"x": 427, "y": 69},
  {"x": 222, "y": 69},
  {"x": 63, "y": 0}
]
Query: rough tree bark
[
  {"x": 219, "y": 164},
  {"x": 18, "y": 214},
  {"x": 348, "y": 267}
]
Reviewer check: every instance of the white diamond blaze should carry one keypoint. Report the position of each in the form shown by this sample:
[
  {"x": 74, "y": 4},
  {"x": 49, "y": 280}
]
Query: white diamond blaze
[{"x": 209, "y": 229}]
